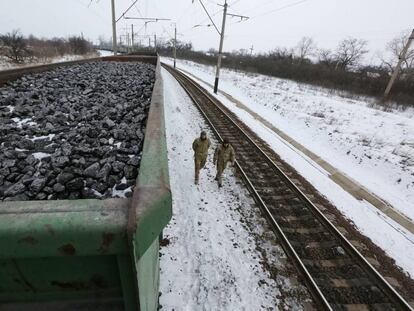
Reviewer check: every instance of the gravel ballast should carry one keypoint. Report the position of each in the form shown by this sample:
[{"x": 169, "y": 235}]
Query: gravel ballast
[{"x": 74, "y": 132}]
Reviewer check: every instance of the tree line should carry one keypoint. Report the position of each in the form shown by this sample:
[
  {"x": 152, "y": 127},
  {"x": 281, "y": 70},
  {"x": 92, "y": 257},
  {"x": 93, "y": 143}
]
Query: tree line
[
  {"x": 341, "y": 68},
  {"x": 19, "y": 49}
]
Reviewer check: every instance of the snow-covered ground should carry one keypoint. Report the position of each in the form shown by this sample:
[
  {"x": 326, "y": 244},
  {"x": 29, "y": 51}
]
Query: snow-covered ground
[
  {"x": 105, "y": 53},
  {"x": 212, "y": 260},
  {"x": 5, "y": 64},
  {"x": 373, "y": 147}
]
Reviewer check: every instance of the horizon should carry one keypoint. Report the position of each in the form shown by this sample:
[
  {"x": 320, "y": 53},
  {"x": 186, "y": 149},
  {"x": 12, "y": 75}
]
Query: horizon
[{"x": 272, "y": 24}]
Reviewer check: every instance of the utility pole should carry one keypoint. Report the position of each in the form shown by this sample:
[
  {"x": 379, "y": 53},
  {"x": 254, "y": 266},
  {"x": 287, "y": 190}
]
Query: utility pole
[
  {"x": 155, "y": 43},
  {"x": 132, "y": 37},
  {"x": 398, "y": 67},
  {"x": 251, "y": 50},
  {"x": 175, "y": 45},
  {"x": 223, "y": 26},
  {"x": 114, "y": 45}
]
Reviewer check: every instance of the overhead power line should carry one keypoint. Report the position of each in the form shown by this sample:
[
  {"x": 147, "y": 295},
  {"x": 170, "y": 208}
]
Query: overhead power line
[
  {"x": 208, "y": 14},
  {"x": 139, "y": 12},
  {"x": 129, "y": 8},
  {"x": 233, "y": 3},
  {"x": 280, "y": 8},
  {"x": 153, "y": 19},
  {"x": 242, "y": 17}
]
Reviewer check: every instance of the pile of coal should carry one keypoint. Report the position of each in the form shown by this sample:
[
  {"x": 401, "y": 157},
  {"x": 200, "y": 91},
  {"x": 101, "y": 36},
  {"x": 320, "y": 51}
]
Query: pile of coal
[{"x": 74, "y": 132}]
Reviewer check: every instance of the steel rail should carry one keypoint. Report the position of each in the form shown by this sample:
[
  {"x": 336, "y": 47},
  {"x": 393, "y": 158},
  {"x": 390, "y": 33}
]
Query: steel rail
[
  {"x": 288, "y": 248},
  {"x": 316, "y": 293}
]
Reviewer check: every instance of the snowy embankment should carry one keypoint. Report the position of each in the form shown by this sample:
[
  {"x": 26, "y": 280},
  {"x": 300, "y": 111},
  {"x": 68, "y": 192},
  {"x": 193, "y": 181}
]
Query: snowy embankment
[
  {"x": 369, "y": 145},
  {"x": 211, "y": 261},
  {"x": 5, "y": 64}
]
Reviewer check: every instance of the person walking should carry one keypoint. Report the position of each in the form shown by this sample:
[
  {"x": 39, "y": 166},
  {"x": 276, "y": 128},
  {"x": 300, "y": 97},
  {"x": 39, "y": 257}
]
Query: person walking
[
  {"x": 200, "y": 147},
  {"x": 224, "y": 154}
]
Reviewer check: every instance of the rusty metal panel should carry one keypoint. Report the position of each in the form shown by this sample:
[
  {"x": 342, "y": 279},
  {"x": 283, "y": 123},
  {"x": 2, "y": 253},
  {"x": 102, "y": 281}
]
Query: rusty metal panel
[
  {"x": 42, "y": 279},
  {"x": 63, "y": 228},
  {"x": 90, "y": 250}
]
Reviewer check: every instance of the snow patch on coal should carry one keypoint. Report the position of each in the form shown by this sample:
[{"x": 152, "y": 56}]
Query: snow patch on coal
[{"x": 74, "y": 132}]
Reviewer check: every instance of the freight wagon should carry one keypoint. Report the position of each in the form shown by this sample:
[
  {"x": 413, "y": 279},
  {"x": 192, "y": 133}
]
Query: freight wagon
[{"x": 84, "y": 252}]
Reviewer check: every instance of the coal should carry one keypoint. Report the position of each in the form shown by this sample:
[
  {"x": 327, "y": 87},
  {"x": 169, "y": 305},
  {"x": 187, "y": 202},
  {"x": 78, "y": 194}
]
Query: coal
[
  {"x": 15, "y": 189},
  {"x": 92, "y": 171},
  {"x": 74, "y": 132},
  {"x": 38, "y": 184}
]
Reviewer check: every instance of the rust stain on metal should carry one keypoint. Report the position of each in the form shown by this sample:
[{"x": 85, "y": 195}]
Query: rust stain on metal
[
  {"x": 74, "y": 285},
  {"x": 29, "y": 240},
  {"x": 50, "y": 229},
  {"x": 67, "y": 249},
  {"x": 107, "y": 239},
  {"x": 96, "y": 281}
]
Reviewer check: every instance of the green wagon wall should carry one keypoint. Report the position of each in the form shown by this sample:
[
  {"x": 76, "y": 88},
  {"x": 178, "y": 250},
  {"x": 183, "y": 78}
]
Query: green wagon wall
[{"x": 90, "y": 254}]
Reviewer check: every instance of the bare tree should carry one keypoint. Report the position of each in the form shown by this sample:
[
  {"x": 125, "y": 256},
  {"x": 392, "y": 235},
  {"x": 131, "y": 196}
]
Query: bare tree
[
  {"x": 350, "y": 52},
  {"x": 281, "y": 53},
  {"x": 395, "y": 48},
  {"x": 306, "y": 47},
  {"x": 79, "y": 45},
  {"x": 14, "y": 46},
  {"x": 241, "y": 52},
  {"x": 326, "y": 57}
]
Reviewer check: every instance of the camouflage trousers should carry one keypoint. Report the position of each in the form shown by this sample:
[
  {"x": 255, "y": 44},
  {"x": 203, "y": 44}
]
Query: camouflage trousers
[
  {"x": 219, "y": 175},
  {"x": 199, "y": 163}
]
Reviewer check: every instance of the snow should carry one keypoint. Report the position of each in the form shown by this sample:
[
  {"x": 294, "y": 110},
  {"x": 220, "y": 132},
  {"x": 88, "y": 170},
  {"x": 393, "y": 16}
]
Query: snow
[
  {"x": 50, "y": 137},
  {"x": 121, "y": 193},
  {"x": 97, "y": 193},
  {"x": 380, "y": 145},
  {"x": 40, "y": 155},
  {"x": 21, "y": 122},
  {"x": 6, "y": 65},
  {"x": 105, "y": 53},
  {"x": 374, "y": 147},
  {"x": 211, "y": 262}
]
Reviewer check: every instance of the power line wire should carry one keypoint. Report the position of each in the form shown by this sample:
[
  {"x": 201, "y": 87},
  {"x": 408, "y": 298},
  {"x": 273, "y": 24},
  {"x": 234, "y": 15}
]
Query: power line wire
[
  {"x": 233, "y": 3},
  {"x": 281, "y": 8},
  {"x": 257, "y": 6},
  {"x": 129, "y": 8},
  {"x": 208, "y": 14},
  {"x": 203, "y": 21},
  {"x": 139, "y": 12},
  {"x": 92, "y": 10},
  {"x": 184, "y": 13}
]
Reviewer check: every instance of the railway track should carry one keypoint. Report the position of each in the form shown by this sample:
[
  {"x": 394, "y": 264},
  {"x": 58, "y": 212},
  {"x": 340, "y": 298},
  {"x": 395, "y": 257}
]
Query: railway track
[{"x": 337, "y": 275}]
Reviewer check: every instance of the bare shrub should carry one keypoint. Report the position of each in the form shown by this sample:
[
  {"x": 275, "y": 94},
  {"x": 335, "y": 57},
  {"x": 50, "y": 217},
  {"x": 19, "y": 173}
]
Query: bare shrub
[
  {"x": 305, "y": 48},
  {"x": 350, "y": 52},
  {"x": 14, "y": 46}
]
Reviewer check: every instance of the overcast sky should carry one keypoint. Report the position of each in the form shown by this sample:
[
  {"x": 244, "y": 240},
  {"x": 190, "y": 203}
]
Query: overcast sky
[{"x": 272, "y": 23}]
